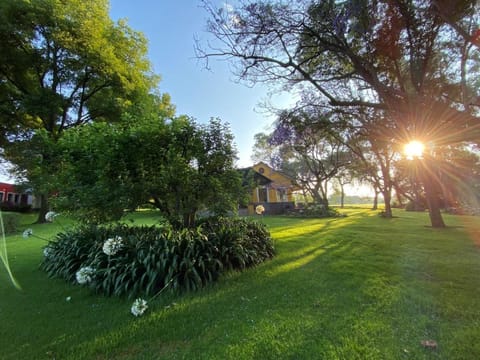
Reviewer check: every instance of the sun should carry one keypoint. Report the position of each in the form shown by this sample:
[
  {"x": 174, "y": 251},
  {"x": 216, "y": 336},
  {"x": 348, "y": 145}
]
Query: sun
[{"x": 414, "y": 149}]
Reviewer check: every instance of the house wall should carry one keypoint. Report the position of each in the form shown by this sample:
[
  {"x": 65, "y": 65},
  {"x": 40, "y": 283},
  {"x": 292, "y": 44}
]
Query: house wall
[
  {"x": 273, "y": 195},
  {"x": 254, "y": 197},
  {"x": 6, "y": 191},
  {"x": 9, "y": 194}
]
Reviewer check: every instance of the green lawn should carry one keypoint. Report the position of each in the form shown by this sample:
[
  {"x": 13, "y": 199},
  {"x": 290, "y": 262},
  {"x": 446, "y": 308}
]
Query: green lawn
[{"x": 359, "y": 287}]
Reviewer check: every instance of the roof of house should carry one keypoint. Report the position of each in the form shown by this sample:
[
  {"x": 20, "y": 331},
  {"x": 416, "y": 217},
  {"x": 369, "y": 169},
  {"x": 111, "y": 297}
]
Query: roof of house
[
  {"x": 271, "y": 176},
  {"x": 249, "y": 173}
]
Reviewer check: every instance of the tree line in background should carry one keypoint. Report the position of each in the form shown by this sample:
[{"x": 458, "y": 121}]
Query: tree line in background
[{"x": 371, "y": 76}]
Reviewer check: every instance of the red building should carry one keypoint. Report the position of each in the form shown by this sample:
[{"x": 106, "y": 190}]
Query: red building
[{"x": 9, "y": 194}]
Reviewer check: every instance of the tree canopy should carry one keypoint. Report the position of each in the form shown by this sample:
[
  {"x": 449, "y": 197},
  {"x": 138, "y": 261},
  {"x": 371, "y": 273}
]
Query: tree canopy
[
  {"x": 175, "y": 165},
  {"x": 413, "y": 64},
  {"x": 64, "y": 64}
]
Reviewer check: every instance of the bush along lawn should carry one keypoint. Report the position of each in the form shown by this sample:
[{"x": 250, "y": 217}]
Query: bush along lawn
[
  {"x": 131, "y": 261},
  {"x": 356, "y": 287}
]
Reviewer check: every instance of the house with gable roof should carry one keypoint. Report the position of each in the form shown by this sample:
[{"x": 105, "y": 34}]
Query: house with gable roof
[{"x": 272, "y": 189}]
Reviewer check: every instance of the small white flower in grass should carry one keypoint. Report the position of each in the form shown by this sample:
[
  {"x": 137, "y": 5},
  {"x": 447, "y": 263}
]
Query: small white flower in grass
[
  {"x": 259, "y": 209},
  {"x": 27, "y": 233},
  {"x": 85, "y": 275},
  {"x": 112, "y": 245},
  {"x": 50, "y": 216},
  {"x": 139, "y": 307},
  {"x": 68, "y": 298}
]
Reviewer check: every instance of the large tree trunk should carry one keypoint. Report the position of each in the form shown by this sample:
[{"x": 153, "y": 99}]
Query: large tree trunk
[
  {"x": 375, "y": 201},
  {"x": 317, "y": 195},
  {"x": 387, "y": 190},
  {"x": 433, "y": 203},
  {"x": 43, "y": 209},
  {"x": 388, "y": 206},
  {"x": 326, "y": 203},
  {"x": 430, "y": 183},
  {"x": 189, "y": 219},
  {"x": 342, "y": 196}
]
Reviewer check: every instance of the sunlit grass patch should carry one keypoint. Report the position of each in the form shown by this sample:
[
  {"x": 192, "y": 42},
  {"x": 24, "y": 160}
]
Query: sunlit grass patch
[{"x": 359, "y": 287}]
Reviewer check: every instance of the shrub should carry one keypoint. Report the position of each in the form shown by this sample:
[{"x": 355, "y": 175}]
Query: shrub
[
  {"x": 21, "y": 208},
  {"x": 147, "y": 259},
  {"x": 10, "y": 222},
  {"x": 317, "y": 211},
  {"x": 241, "y": 243},
  {"x": 414, "y": 206}
]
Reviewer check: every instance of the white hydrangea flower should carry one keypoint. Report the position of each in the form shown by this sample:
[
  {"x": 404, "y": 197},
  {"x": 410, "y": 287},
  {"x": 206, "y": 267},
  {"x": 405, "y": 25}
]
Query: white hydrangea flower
[
  {"x": 27, "y": 233},
  {"x": 50, "y": 216},
  {"x": 260, "y": 209},
  {"x": 112, "y": 245},
  {"x": 85, "y": 275},
  {"x": 139, "y": 307}
]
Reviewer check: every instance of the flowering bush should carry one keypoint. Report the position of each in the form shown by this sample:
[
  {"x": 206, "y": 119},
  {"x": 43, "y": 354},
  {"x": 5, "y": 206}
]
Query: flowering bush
[
  {"x": 153, "y": 258},
  {"x": 66, "y": 255}
]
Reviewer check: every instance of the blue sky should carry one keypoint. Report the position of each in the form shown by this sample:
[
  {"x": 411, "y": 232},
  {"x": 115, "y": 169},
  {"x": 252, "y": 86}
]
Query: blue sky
[{"x": 171, "y": 27}]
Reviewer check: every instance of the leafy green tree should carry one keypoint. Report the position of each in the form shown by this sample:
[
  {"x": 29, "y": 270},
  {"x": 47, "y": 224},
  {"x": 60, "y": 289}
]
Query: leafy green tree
[
  {"x": 262, "y": 150},
  {"x": 175, "y": 165},
  {"x": 63, "y": 64}
]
